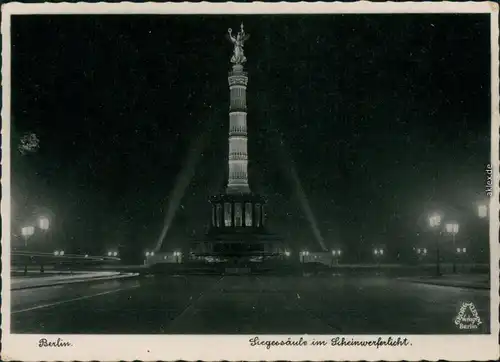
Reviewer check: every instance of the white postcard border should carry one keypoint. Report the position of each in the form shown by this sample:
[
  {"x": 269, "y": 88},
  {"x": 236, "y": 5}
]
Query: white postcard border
[{"x": 237, "y": 347}]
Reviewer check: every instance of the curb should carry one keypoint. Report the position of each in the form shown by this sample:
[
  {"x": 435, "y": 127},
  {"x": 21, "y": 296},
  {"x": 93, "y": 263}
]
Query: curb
[
  {"x": 470, "y": 286},
  {"x": 96, "y": 279}
]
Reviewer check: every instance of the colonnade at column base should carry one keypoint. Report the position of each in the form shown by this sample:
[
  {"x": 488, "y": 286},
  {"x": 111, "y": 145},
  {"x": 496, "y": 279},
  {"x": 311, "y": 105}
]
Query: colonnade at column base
[{"x": 238, "y": 189}]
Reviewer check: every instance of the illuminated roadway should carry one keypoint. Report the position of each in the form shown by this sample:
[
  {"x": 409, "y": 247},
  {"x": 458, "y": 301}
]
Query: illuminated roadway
[{"x": 244, "y": 304}]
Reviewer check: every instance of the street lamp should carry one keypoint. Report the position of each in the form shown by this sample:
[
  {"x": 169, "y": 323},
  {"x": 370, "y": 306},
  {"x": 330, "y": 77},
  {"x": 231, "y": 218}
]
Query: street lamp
[
  {"x": 378, "y": 253},
  {"x": 148, "y": 255},
  {"x": 336, "y": 255},
  {"x": 461, "y": 251},
  {"x": 434, "y": 222},
  {"x": 482, "y": 211},
  {"x": 44, "y": 223},
  {"x": 27, "y": 232},
  {"x": 304, "y": 254},
  {"x": 177, "y": 255},
  {"x": 422, "y": 251},
  {"x": 452, "y": 228}
]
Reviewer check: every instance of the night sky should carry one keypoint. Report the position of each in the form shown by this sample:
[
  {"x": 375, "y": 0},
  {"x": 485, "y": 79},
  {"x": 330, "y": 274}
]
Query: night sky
[{"x": 384, "y": 118}]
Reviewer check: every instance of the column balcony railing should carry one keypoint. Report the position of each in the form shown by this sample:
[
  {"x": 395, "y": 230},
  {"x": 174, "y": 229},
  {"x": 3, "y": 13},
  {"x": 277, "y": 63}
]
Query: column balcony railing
[
  {"x": 237, "y": 133},
  {"x": 237, "y": 107},
  {"x": 238, "y": 177},
  {"x": 238, "y": 156}
]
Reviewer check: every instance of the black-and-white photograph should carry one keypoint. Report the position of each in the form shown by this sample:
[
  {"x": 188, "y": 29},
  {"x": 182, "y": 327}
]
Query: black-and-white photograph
[{"x": 285, "y": 174}]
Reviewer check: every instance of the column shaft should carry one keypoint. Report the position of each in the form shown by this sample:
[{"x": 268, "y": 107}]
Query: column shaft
[{"x": 238, "y": 150}]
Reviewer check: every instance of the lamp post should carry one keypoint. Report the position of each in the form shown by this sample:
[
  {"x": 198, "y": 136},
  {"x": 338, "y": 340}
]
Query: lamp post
[
  {"x": 378, "y": 253},
  {"x": 336, "y": 255},
  {"x": 177, "y": 255},
  {"x": 27, "y": 232},
  {"x": 434, "y": 222},
  {"x": 57, "y": 253},
  {"x": 421, "y": 252},
  {"x": 43, "y": 223},
  {"x": 303, "y": 254},
  {"x": 461, "y": 251},
  {"x": 483, "y": 231},
  {"x": 482, "y": 211},
  {"x": 148, "y": 255},
  {"x": 452, "y": 228}
]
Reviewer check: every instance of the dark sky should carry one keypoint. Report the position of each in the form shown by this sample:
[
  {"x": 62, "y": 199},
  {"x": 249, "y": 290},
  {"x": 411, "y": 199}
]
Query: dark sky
[{"x": 384, "y": 117}]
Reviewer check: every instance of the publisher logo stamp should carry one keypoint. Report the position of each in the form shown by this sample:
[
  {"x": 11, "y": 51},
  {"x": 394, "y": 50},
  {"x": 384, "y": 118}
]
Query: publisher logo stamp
[{"x": 467, "y": 317}]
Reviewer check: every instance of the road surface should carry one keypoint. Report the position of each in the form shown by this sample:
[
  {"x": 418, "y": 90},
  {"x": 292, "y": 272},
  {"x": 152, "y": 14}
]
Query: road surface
[{"x": 245, "y": 304}]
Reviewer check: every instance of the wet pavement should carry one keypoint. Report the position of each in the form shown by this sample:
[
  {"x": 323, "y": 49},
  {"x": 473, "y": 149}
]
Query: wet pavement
[{"x": 245, "y": 304}]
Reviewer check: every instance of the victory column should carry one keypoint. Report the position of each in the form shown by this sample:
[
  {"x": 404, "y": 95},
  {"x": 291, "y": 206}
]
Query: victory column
[{"x": 237, "y": 229}]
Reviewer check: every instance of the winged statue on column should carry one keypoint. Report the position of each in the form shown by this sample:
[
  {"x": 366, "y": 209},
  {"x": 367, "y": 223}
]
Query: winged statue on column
[{"x": 238, "y": 42}]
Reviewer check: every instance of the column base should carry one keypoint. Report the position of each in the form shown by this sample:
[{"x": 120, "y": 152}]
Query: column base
[{"x": 238, "y": 189}]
